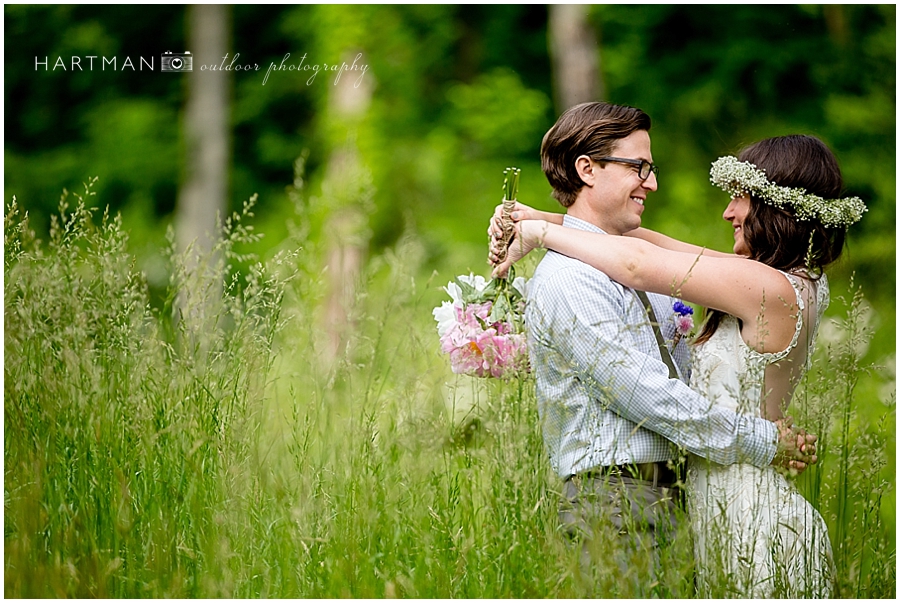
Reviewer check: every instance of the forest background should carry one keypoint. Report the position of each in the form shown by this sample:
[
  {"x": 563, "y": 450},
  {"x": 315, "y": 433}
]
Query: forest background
[
  {"x": 459, "y": 93},
  {"x": 451, "y": 95}
]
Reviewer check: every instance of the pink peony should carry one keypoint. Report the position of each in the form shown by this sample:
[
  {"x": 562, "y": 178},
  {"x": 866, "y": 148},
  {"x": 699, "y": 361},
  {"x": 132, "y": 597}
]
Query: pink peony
[
  {"x": 484, "y": 352},
  {"x": 475, "y": 345}
]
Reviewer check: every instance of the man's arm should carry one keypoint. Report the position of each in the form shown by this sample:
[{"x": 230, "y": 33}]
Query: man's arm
[{"x": 581, "y": 316}]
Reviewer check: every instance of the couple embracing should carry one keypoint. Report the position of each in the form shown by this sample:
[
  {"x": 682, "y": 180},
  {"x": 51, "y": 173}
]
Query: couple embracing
[{"x": 612, "y": 376}]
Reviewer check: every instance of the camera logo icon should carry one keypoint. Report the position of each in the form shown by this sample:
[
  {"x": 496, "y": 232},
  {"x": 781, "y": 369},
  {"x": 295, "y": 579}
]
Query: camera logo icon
[{"x": 177, "y": 61}]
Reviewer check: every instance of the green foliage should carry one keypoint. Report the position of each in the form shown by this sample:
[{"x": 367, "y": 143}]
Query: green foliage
[
  {"x": 120, "y": 427},
  {"x": 457, "y": 90},
  {"x": 852, "y": 484},
  {"x": 498, "y": 113},
  {"x": 218, "y": 455}
]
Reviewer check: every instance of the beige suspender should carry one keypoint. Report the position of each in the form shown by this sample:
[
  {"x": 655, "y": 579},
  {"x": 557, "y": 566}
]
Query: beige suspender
[{"x": 663, "y": 348}]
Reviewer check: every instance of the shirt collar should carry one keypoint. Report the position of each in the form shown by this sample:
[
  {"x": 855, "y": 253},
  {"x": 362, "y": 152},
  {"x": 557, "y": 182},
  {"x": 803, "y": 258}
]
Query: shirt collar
[{"x": 577, "y": 223}]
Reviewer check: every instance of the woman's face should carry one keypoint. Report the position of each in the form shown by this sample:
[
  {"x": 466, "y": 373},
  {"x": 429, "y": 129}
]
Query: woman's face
[{"x": 735, "y": 213}]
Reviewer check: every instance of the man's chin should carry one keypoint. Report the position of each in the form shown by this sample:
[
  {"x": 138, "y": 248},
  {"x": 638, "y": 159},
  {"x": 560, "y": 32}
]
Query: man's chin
[{"x": 634, "y": 225}]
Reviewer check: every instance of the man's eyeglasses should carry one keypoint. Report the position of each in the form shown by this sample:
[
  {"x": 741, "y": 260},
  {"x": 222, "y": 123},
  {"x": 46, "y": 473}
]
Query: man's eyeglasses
[{"x": 644, "y": 167}]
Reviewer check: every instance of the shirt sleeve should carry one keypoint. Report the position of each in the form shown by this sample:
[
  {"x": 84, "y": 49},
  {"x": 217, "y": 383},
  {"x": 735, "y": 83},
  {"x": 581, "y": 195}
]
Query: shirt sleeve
[{"x": 582, "y": 321}]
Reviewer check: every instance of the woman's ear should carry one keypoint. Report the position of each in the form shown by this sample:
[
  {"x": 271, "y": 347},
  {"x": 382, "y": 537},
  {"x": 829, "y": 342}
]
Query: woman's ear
[{"x": 585, "y": 169}]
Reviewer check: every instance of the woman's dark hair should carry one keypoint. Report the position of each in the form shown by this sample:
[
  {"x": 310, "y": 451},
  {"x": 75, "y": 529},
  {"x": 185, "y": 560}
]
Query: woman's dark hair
[{"x": 774, "y": 236}]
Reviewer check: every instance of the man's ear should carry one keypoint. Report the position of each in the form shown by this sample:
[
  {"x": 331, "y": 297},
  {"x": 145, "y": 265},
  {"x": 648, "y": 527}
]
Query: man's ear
[{"x": 585, "y": 169}]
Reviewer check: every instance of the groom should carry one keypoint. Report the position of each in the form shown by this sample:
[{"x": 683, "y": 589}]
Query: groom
[{"x": 613, "y": 407}]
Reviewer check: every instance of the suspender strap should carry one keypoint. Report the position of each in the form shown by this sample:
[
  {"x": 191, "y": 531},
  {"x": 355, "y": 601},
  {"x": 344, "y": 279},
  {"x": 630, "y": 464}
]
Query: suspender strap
[
  {"x": 679, "y": 467},
  {"x": 663, "y": 348}
]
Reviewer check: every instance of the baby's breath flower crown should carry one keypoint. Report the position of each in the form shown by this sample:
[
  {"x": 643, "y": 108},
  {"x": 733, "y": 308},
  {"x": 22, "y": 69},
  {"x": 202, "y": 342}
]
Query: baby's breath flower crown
[{"x": 741, "y": 177}]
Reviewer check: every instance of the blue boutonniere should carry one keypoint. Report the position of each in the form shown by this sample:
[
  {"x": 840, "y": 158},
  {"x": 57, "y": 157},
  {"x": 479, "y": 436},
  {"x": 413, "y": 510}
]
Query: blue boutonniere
[{"x": 684, "y": 320}]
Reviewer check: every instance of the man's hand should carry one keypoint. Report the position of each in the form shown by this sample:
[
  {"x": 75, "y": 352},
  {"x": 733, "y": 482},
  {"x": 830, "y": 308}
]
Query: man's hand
[{"x": 796, "y": 449}]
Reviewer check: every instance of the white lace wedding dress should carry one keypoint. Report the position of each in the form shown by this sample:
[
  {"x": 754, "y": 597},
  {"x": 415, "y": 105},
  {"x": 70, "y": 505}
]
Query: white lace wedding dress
[{"x": 754, "y": 534}]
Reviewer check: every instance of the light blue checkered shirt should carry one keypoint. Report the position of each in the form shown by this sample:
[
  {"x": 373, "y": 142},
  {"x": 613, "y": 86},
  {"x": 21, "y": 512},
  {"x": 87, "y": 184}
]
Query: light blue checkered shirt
[{"x": 604, "y": 395}]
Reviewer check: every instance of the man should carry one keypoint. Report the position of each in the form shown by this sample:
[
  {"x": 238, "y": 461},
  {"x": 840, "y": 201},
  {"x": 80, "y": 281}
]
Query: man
[{"x": 613, "y": 408}]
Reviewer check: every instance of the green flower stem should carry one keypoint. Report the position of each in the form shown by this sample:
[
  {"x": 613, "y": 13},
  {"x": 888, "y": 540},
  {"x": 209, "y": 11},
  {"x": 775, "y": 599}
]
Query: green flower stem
[{"x": 510, "y": 192}]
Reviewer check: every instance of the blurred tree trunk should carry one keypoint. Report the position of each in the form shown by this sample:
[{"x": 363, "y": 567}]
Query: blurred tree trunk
[
  {"x": 575, "y": 55},
  {"x": 836, "y": 22},
  {"x": 203, "y": 196},
  {"x": 348, "y": 190}
]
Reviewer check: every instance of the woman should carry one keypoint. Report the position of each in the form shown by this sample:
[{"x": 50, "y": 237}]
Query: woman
[{"x": 755, "y": 535}]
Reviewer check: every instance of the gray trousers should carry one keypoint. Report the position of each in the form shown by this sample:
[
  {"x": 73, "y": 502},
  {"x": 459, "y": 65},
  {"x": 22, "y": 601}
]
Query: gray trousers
[{"x": 621, "y": 524}]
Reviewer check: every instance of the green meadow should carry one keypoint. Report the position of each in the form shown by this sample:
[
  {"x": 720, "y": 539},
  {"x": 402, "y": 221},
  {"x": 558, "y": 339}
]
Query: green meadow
[{"x": 222, "y": 453}]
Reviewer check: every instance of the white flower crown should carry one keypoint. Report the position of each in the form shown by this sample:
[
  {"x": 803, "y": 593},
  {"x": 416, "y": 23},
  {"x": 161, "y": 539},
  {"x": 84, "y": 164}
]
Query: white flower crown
[{"x": 741, "y": 177}]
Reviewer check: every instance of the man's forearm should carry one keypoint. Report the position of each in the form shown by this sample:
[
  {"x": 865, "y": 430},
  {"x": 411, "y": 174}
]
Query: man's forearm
[
  {"x": 592, "y": 337},
  {"x": 678, "y": 413}
]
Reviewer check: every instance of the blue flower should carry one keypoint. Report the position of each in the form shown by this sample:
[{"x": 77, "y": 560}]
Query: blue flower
[{"x": 682, "y": 309}]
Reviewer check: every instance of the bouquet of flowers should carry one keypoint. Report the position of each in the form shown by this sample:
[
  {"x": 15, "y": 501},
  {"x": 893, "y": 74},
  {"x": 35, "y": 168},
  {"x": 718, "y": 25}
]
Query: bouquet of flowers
[{"x": 481, "y": 328}]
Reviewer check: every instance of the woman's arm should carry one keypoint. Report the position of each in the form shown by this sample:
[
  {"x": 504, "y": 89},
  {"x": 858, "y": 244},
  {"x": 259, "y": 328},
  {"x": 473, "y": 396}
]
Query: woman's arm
[
  {"x": 666, "y": 242},
  {"x": 524, "y": 212},
  {"x": 755, "y": 293}
]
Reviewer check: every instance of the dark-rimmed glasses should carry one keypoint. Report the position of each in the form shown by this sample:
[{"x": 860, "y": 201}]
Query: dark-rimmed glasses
[{"x": 644, "y": 167}]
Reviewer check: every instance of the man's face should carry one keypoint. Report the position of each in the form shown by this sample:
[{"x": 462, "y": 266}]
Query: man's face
[{"x": 615, "y": 202}]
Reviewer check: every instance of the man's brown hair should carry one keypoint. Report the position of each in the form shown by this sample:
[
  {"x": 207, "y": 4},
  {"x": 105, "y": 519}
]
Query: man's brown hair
[{"x": 591, "y": 129}]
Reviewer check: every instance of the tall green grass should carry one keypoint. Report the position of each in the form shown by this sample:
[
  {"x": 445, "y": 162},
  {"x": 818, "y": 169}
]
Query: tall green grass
[
  {"x": 853, "y": 485},
  {"x": 206, "y": 450}
]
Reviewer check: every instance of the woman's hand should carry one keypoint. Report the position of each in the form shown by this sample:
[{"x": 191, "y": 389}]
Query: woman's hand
[
  {"x": 529, "y": 235},
  {"x": 520, "y": 212}
]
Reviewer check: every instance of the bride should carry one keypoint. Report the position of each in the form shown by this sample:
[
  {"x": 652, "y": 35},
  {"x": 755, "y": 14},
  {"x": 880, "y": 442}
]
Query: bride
[{"x": 754, "y": 534}]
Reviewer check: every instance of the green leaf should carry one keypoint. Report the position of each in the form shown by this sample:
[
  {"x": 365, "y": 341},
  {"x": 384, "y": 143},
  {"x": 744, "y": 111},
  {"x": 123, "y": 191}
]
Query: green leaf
[
  {"x": 490, "y": 290},
  {"x": 467, "y": 290},
  {"x": 500, "y": 309}
]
